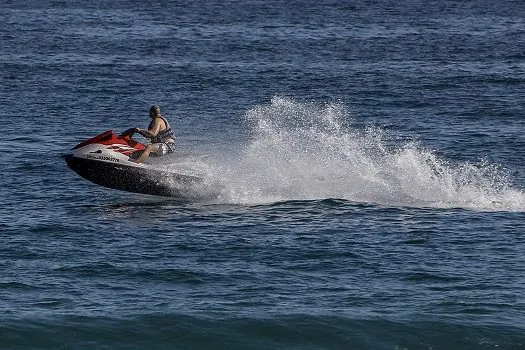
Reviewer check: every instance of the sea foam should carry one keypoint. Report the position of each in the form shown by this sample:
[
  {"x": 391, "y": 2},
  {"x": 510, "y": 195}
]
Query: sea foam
[{"x": 303, "y": 151}]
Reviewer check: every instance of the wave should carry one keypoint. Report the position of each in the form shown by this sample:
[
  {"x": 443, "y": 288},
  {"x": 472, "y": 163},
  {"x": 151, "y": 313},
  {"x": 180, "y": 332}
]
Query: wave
[
  {"x": 169, "y": 331},
  {"x": 303, "y": 151}
]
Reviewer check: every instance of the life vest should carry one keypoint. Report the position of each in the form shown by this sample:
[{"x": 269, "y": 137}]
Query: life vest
[{"x": 163, "y": 135}]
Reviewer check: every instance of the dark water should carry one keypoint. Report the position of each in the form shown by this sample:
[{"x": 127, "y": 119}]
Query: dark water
[{"x": 366, "y": 164}]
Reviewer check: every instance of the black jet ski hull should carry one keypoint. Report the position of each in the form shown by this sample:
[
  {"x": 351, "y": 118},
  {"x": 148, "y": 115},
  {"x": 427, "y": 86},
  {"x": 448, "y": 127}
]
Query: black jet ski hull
[{"x": 132, "y": 179}]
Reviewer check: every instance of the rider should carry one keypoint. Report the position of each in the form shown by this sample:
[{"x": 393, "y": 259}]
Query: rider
[{"x": 160, "y": 135}]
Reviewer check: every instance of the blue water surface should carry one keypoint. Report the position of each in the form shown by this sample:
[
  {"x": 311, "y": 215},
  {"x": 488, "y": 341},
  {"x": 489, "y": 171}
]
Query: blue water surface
[{"x": 365, "y": 161}]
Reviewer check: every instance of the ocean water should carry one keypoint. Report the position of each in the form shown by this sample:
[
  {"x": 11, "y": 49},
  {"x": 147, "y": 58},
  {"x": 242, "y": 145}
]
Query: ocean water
[{"x": 365, "y": 185}]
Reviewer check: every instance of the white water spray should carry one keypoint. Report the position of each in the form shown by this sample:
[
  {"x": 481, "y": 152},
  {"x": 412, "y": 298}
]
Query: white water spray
[{"x": 302, "y": 151}]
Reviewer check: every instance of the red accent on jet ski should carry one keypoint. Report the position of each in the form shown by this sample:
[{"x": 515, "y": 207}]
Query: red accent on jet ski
[{"x": 117, "y": 143}]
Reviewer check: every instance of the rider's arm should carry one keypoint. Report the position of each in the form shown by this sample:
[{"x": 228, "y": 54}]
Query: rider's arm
[{"x": 151, "y": 132}]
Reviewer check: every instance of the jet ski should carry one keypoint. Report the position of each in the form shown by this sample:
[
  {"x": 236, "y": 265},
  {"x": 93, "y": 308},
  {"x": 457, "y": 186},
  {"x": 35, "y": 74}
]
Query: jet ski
[{"x": 108, "y": 160}]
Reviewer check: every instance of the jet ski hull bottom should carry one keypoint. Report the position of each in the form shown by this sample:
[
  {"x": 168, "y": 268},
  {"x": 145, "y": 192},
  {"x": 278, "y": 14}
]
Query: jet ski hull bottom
[{"x": 132, "y": 179}]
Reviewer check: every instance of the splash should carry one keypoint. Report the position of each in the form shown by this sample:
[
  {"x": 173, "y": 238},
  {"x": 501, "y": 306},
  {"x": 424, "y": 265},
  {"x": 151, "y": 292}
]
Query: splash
[{"x": 301, "y": 151}]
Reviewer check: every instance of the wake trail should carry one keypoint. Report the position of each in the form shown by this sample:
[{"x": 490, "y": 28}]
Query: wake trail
[{"x": 303, "y": 151}]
